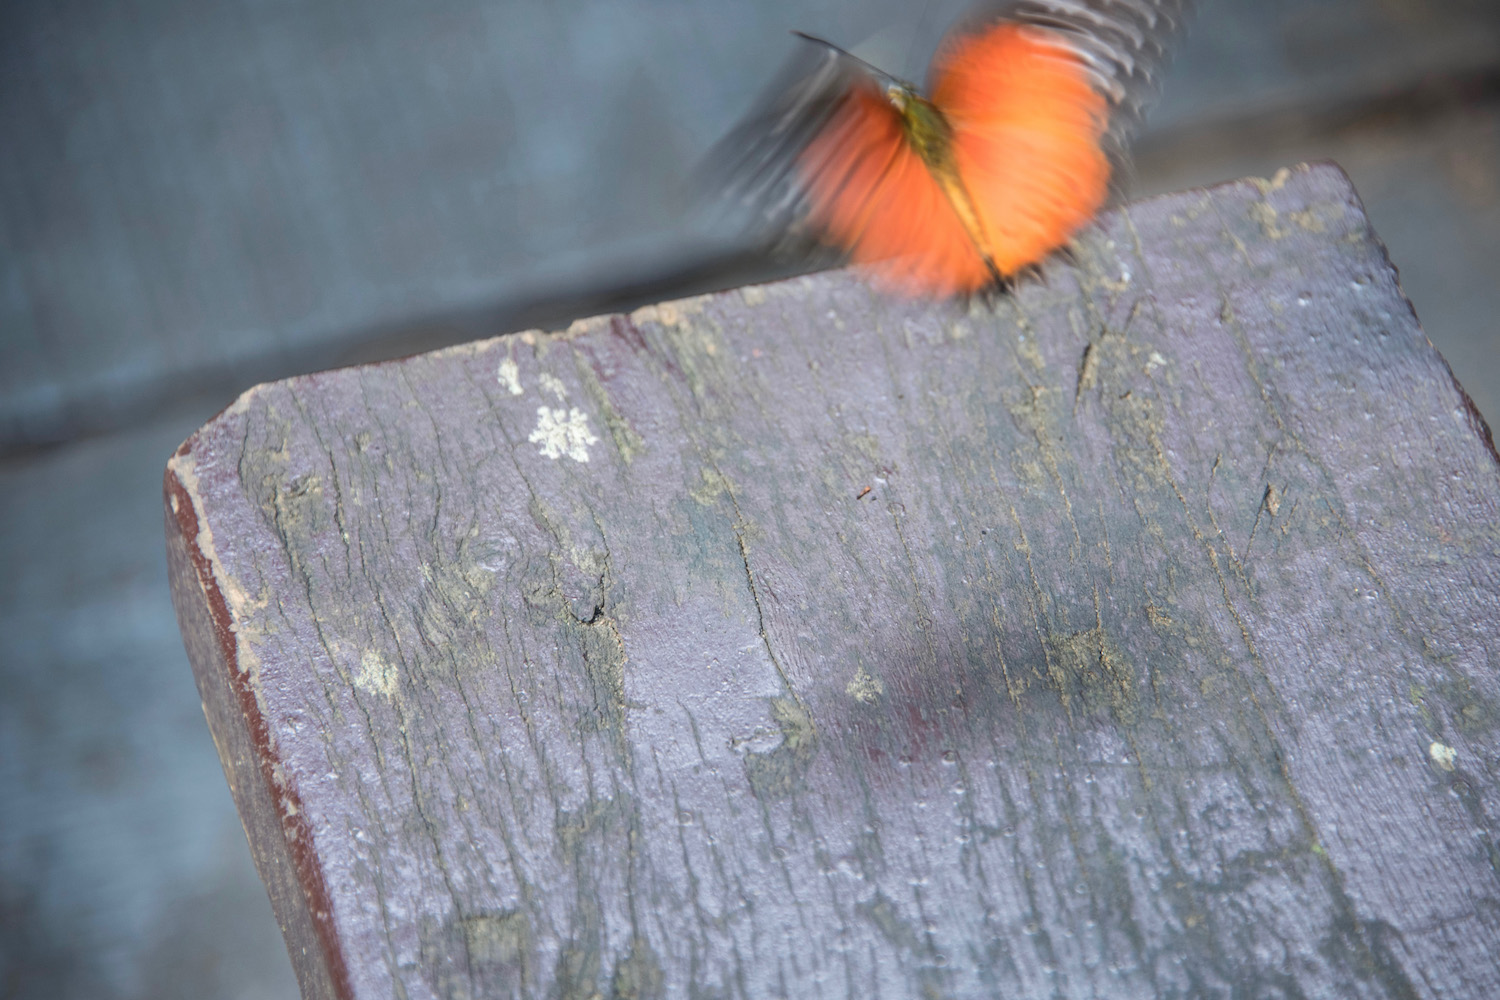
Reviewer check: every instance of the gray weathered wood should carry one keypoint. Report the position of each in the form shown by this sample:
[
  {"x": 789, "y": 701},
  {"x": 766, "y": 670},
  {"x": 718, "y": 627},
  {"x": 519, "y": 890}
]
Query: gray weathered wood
[{"x": 1134, "y": 635}]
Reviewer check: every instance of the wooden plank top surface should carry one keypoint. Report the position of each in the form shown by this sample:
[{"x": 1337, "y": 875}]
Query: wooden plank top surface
[{"x": 1135, "y": 635}]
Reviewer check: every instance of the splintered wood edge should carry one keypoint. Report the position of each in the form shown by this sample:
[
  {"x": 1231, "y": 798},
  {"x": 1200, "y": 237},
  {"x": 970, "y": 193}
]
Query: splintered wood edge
[{"x": 210, "y": 604}]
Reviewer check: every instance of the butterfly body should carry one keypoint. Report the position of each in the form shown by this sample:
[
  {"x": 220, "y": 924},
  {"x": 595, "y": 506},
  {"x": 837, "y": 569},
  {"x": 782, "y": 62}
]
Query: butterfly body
[{"x": 926, "y": 130}]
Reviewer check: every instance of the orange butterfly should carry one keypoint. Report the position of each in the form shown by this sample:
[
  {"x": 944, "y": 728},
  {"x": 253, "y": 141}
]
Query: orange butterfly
[{"x": 1011, "y": 154}]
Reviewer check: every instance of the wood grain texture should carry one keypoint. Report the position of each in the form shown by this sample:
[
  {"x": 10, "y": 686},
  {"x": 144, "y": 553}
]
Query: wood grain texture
[{"x": 1158, "y": 660}]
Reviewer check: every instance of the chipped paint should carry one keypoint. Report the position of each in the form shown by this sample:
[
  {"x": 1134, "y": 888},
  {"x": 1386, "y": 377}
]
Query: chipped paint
[
  {"x": 670, "y": 313},
  {"x": 472, "y": 349},
  {"x": 585, "y": 326},
  {"x": 185, "y": 468},
  {"x": 242, "y": 403}
]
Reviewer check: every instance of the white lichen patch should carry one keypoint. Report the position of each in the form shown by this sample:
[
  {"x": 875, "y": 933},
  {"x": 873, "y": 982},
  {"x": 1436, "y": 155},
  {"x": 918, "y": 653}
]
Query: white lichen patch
[
  {"x": 1154, "y": 362},
  {"x": 509, "y": 376},
  {"x": 563, "y": 432},
  {"x": 376, "y": 675},
  {"x": 1442, "y": 755},
  {"x": 864, "y": 687},
  {"x": 551, "y": 383}
]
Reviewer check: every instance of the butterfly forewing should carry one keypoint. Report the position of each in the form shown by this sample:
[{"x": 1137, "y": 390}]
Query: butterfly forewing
[
  {"x": 752, "y": 171},
  {"x": 1125, "y": 43}
]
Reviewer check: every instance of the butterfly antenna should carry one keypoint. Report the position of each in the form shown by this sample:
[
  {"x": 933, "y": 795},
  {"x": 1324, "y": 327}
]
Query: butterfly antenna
[{"x": 876, "y": 70}]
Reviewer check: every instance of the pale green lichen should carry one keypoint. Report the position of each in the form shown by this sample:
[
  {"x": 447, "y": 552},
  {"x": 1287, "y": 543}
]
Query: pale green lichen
[
  {"x": 509, "y": 376},
  {"x": 864, "y": 687},
  {"x": 778, "y": 773},
  {"x": 377, "y": 675},
  {"x": 563, "y": 432}
]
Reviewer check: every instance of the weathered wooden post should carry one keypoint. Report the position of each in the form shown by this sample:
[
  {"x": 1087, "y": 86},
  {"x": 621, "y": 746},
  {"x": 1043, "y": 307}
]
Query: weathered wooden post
[{"x": 1136, "y": 635}]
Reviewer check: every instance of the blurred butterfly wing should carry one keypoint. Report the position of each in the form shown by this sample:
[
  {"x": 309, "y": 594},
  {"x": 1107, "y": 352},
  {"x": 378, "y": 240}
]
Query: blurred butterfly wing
[
  {"x": 869, "y": 192},
  {"x": 1028, "y": 138},
  {"x": 1044, "y": 95},
  {"x": 1126, "y": 46},
  {"x": 751, "y": 174}
]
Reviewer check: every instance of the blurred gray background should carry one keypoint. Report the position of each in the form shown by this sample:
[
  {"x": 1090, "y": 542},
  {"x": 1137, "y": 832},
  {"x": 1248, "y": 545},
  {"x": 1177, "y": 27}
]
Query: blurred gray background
[{"x": 196, "y": 195}]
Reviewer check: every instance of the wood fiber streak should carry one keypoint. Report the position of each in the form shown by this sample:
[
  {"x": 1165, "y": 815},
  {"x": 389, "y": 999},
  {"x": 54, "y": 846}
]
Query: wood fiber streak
[{"x": 1158, "y": 659}]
